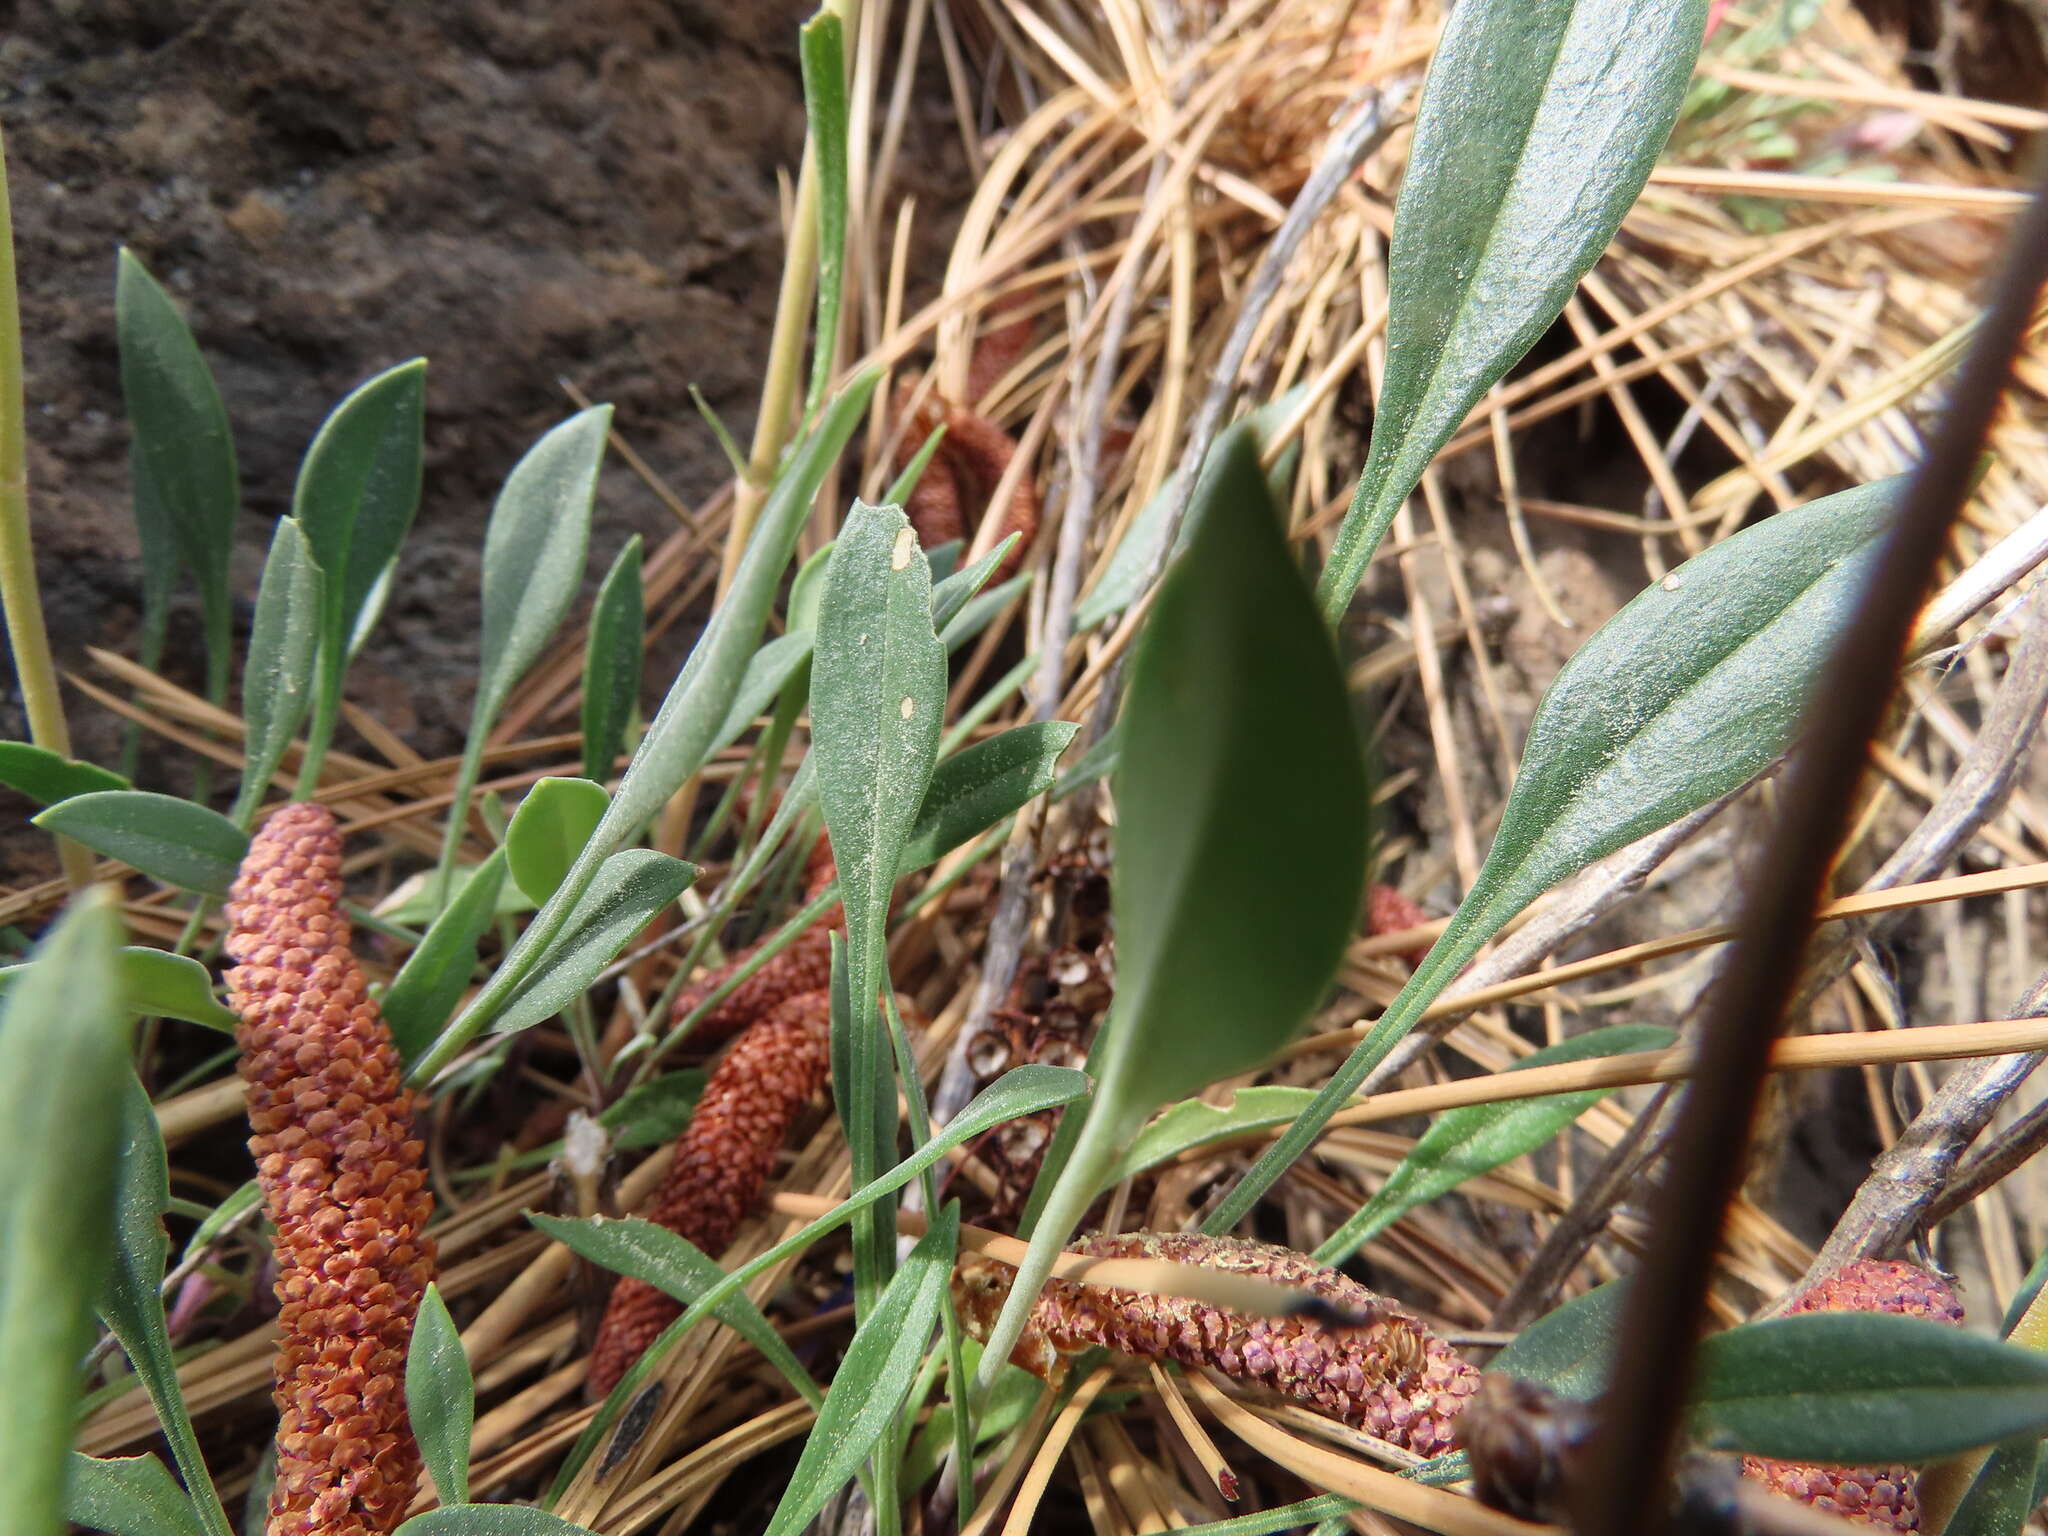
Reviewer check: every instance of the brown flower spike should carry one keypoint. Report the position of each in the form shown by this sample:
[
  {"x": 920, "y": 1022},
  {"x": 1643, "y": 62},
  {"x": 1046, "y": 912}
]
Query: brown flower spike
[
  {"x": 331, "y": 1132},
  {"x": 1392, "y": 1377},
  {"x": 1887, "y": 1497},
  {"x": 722, "y": 1162}
]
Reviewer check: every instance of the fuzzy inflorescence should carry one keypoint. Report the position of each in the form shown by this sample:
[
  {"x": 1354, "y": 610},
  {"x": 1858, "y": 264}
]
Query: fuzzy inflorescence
[
  {"x": 722, "y": 1162},
  {"x": 342, "y": 1178},
  {"x": 1887, "y": 1497},
  {"x": 1389, "y": 1376}
]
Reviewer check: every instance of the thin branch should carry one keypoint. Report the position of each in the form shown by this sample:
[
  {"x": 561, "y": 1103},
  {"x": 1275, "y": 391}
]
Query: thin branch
[{"x": 1630, "y": 1456}]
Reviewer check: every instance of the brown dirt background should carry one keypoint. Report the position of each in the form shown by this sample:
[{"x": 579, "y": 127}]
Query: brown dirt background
[{"x": 517, "y": 191}]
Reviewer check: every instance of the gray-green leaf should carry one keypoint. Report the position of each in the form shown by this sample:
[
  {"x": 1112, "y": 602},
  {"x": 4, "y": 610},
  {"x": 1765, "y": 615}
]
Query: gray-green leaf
[
  {"x": 490, "y": 1520},
  {"x": 871, "y": 1381},
  {"x": 128, "y": 1496},
  {"x": 1692, "y": 689},
  {"x": 157, "y": 983},
  {"x": 64, "y": 1043},
  {"x": 631, "y": 886},
  {"x": 1540, "y": 122},
  {"x": 277, "y": 676},
  {"x": 976, "y": 787},
  {"x": 46, "y": 778},
  {"x": 164, "y": 838},
  {"x": 611, "y": 663},
  {"x": 440, "y": 1397},
  {"x": 427, "y": 986},
  {"x": 1464, "y": 1143}
]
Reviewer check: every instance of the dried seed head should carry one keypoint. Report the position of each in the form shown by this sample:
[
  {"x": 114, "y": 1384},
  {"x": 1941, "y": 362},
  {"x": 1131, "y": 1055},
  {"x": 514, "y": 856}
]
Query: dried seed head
[
  {"x": 722, "y": 1163},
  {"x": 1388, "y": 911},
  {"x": 1881, "y": 1496},
  {"x": 331, "y": 1132},
  {"x": 806, "y": 966},
  {"x": 1391, "y": 1377}
]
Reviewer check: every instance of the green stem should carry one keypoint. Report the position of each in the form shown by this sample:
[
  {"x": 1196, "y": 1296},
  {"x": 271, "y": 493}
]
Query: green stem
[
  {"x": 466, "y": 778},
  {"x": 19, "y": 595},
  {"x": 319, "y": 729},
  {"x": 1095, "y": 1153}
]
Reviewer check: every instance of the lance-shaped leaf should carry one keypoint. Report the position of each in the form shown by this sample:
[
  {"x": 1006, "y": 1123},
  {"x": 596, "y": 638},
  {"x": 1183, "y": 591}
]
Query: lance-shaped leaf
[
  {"x": 534, "y": 553},
  {"x": 630, "y": 888},
  {"x": 822, "y": 51},
  {"x": 1241, "y": 839},
  {"x": 767, "y": 674},
  {"x": 1571, "y": 1348},
  {"x": 355, "y": 499},
  {"x": 164, "y": 838},
  {"x": 611, "y": 663},
  {"x": 428, "y": 985},
  {"x": 878, "y": 689},
  {"x": 1692, "y": 689},
  {"x": 440, "y": 1397},
  {"x": 1865, "y": 1388},
  {"x": 1540, "y": 122},
  {"x": 490, "y": 1520},
  {"x": 549, "y": 829},
  {"x": 128, "y": 1496},
  {"x": 186, "y": 483},
  {"x": 156, "y": 984},
  {"x": 64, "y": 1043},
  {"x": 975, "y": 788},
  {"x": 277, "y": 676},
  {"x": 46, "y": 778},
  {"x": 2002, "y": 1494},
  {"x": 870, "y": 1384},
  {"x": 132, "y": 1300},
  {"x": 1020, "y": 1091},
  {"x": 677, "y": 742},
  {"x": 1464, "y": 1143}
]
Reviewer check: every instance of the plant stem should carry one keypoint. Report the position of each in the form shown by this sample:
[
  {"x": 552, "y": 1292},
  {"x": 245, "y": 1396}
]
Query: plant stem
[{"x": 19, "y": 596}]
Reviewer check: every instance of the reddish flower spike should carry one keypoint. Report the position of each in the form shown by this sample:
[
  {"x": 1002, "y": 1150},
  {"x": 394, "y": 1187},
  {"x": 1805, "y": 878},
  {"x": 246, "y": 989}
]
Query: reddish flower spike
[
  {"x": 331, "y": 1132},
  {"x": 1392, "y": 1377},
  {"x": 722, "y": 1163},
  {"x": 1886, "y": 1497}
]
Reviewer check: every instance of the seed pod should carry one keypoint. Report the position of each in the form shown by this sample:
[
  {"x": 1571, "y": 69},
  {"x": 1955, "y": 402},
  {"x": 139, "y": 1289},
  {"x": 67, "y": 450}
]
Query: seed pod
[
  {"x": 722, "y": 1163},
  {"x": 1886, "y": 1497},
  {"x": 331, "y": 1132},
  {"x": 1391, "y": 1377}
]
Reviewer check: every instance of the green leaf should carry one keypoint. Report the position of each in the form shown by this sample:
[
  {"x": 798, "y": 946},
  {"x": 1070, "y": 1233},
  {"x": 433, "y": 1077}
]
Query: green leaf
[
  {"x": 1021, "y": 1091},
  {"x": 1688, "y": 692},
  {"x": 611, "y": 663},
  {"x": 64, "y": 1043},
  {"x": 676, "y": 743},
  {"x": 166, "y": 839},
  {"x": 549, "y": 829},
  {"x": 1859, "y": 1388},
  {"x": 358, "y": 491},
  {"x": 128, "y": 1496},
  {"x": 428, "y": 985},
  {"x": 821, "y": 45},
  {"x": 46, "y": 778},
  {"x": 872, "y": 1380},
  {"x": 1123, "y": 578},
  {"x": 629, "y": 889},
  {"x": 978, "y": 614},
  {"x": 768, "y": 672},
  {"x": 1242, "y": 823},
  {"x": 534, "y": 550},
  {"x": 654, "y": 1113},
  {"x": 2001, "y": 1495},
  {"x": 1464, "y": 1143},
  {"x": 184, "y": 451},
  {"x": 490, "y": 1520},
  {"x": 978, "y": 786},
  {"x": 1540, "y": 122},
  {"x": 132, "y": 1301},
  {"x": 245, "y": 1197},
  {"x": 277, "y": 675},
  {"x": 1241, "y": 810},
  {"x": 440, "y": 1397},
  {"x": 1196, "y": 1123},
  {"x": 1570, "y": 1349},
  {"x": 952, "y": 594},
  {"x": 878, "y": 690},
  {"x": 156, "y": 983},
  {"x": 674, "y": 1265}
]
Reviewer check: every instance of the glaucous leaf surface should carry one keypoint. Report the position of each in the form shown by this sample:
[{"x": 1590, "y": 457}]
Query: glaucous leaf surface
[
  {"x": 128, "y": 1496},
  {"x": 46, "y": 778},
  {"x": 424, "y": 992},
  {"x": 611, "y": 662},
  {"x": 277, "y": 671},
  {"x": 167, "y": 839},
  {"x": 440, "y": 1397}
]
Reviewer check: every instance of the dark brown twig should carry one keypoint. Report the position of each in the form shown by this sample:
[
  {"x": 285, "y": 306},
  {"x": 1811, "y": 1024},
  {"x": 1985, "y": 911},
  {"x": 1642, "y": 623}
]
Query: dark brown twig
[{"x": 1631, "y": 1452}]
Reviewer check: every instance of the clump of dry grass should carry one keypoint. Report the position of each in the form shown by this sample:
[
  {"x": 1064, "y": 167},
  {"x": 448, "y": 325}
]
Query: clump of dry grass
[{"x": 1774, "y": 323}]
